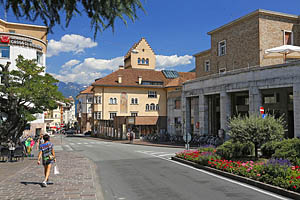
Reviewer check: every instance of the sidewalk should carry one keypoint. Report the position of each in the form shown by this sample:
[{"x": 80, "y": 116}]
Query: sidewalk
[{"x": 77, "y": 178}]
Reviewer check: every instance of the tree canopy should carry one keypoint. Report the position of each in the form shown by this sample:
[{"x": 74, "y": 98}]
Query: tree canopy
[
  {"x": 255, "y": 129},
  {"x": 102, "y": 13},
  {"x": 24, "y": 92}
]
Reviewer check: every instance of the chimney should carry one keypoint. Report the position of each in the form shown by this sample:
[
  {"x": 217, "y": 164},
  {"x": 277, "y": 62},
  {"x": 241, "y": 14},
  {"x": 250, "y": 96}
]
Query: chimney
[
  {"x": 121, "y": 67},
  {"x": 140, "y": 80},
  {"x": 119, "y": 78}
]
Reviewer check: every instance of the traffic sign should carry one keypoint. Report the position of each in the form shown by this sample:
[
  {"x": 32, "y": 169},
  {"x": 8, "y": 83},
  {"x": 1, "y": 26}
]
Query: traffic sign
[
  {"x": 187, "y": 137},
  {"x": 262, "y": 110},
  {"x": 263, "y": 116}
]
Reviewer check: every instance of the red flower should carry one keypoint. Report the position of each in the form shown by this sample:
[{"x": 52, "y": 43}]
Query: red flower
[
  {"x": 298, "y": 177},
  {"x": 294, "y": 186}
]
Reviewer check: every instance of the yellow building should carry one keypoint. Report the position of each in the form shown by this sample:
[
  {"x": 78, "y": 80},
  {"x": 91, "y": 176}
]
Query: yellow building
[{"x": 133, "y": 97}]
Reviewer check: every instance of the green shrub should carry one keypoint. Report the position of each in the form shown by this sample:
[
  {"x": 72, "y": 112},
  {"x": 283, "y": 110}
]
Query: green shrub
[
  {"x": 269, "y": 148},
  {"x": 255, "y": 129},
  {"x": 207, "y": 149},
  {"x": 290, "y": 149},
  {"x": 231, "y": 149}
]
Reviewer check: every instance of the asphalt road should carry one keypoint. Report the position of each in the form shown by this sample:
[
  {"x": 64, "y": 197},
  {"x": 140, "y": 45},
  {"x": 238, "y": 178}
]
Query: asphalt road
[{"x": 135, "y": 172}]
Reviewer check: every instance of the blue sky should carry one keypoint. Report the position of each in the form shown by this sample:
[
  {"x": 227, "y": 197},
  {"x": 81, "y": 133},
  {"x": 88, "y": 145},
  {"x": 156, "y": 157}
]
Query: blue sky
[{"x": 175, "y": 30}]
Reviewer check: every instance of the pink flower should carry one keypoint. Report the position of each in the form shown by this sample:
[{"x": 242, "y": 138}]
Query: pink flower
[{"x": 258, "y": 175}]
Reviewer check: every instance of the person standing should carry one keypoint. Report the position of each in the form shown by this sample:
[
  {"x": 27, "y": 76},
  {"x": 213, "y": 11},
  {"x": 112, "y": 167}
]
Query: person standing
[
  {"x": 48, "y": 157},
  {"x": 131, "y": 136}
]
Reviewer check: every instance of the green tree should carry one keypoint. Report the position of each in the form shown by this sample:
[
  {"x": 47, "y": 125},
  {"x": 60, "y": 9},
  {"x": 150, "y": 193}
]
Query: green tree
[
  {"x": 102, "y": 13},
  {"x": 25, "y": 92},
  {"x": 255, "y": 129}
]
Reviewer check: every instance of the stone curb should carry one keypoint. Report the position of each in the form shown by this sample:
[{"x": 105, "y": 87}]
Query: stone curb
[
  {"x": 246, "y": 180},
  {"x": 96, "y": 178}
]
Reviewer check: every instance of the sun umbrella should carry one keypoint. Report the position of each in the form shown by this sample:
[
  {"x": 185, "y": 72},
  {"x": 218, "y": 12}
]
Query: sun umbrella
[{"x": 287, "y": 51}]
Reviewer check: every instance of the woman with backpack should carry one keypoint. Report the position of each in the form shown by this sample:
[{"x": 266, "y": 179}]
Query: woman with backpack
[{"x": 48, "y": 157}]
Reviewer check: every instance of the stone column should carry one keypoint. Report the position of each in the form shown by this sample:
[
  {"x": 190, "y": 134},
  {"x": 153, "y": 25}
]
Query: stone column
[
  {"x": 203, "y": 115},
  {"x": 225, "y": 109},
  {"x": 188, "y": 115},
  {"x": 296, "y": 104},
  {"x": 255, "y": 100}
]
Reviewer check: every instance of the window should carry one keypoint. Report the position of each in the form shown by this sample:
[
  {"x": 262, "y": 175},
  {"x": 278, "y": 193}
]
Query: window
[
  {"x": 222, "y": 71},
  {"x": 222, "y": 48},
  {"x": 113, "y": 101},
  {"x": 152, "y": 83},
  {"x": 112, "y": 115},
  {"x": 177, "y": 104},
  {"x": 89, "y": 100},
  {"x": 143, "y": 61},
  {"x": 152, "y": 106},
  {"x": 147, "y": 61},
  {"x": 97, "y": 115},
  {"x": 139, "y": 61},
  {"x": 97, "y": 99},
  {"x": 1, "y": 81},
  {"x": 177, "y": 122},
  {"x": 134, "y": 101},
  {"x": 4, "y": 51},
  {"x": 207, "y": 65},
  {"x": 90, "y": 110},
  {"x": 147, "y": 106},
  {"x": 39, "y": 57},
  {"x": 134, "y": 114},
  {"x": 157, "y": 107},
  {"x": 12, "y": 31},
  {"x": 288, "y": 37},
  {"x": 270, "y": 98},
  {"x": 152, "y": 94}
]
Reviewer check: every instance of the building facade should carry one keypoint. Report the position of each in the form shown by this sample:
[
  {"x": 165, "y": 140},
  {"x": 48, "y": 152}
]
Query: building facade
[
  {"x": 30, "y": 41},
  {"x": 69, "y": 117},
  {"x": 236, "y": 76},
  {"x": 84, "y": 109},
  {"x": 133, "y": 97}
]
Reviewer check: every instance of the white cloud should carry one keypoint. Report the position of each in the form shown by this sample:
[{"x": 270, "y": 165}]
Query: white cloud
[
  {"x": 172, "y": 61},
  {"x": 87, "y": 71},
  {"x": 70, "y": 43},
  {"x": 92, "y": 68}
]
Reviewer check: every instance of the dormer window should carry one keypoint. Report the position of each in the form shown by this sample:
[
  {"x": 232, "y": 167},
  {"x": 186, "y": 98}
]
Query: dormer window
[
  {"x": 222, "y": 48},
  {"x": 139, "y": 61},
  {"x": 147, "y": 61},
  {"x": 143, "y": 61}
]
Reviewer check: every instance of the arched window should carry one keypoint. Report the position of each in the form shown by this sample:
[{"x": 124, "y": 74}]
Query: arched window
[
  {"x": 152, "y": 106},
  {"x": 136, "y": 101},
  {"x": 139, "y": 61},
  {"x": 115, "y": 100},
  {"x": 157, "y": 107},
  {"x": 147, "y": 106},
  {"x": 143, "y": 61},
  {"x": 147, "y": 61},
  {"x": 132, "y": 100},
  {"x": 111, "y": 101}
]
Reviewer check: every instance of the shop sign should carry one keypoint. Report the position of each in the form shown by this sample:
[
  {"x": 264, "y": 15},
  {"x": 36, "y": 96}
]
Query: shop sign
[
  {"x": 4, "y": 39},
  {"x": 130, "y": 120},
  {"x": 19, "y": 41}
]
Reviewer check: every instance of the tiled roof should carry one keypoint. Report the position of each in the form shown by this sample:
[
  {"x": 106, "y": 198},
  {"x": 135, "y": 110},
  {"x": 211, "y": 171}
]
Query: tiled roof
[
  {"x": 87, "y": 90},
  {"x": 130, "y": 77}
]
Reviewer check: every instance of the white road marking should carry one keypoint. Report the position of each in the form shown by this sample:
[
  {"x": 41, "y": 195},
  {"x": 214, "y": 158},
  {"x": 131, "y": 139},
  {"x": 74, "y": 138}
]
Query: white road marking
[
  {"x": 78, "y": 143},
  {"x": 58, "y": 148},
  {"x": 68, "y": 147},
  {"x": 72, "y": 144},
  {"x": 89, "y": 145},
  {"x": 157, "y": 153},
  {"x": 226, "y": 179},
  {"x": 169, "y": 154},
  {"x": 85, "y": 143}
]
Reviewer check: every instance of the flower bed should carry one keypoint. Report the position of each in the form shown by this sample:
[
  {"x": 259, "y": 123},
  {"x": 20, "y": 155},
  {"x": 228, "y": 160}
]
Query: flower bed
[{"x": 277, "y": 172}]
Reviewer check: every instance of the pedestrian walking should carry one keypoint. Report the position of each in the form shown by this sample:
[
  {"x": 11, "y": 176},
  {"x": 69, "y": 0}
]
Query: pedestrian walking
[
  {"x": 131, "y": 136},
  {"x": 39, "y": 142},
  {"x": 47, "y": 155}
]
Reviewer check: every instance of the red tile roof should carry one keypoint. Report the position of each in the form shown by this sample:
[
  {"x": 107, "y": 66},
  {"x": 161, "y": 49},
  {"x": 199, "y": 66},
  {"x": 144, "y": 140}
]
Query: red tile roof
[
  {"x": 130, "y": 77},
  {"x": 87, "y": 90}
]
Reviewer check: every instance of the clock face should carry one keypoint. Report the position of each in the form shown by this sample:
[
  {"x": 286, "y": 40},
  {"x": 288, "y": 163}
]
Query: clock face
[{"x": 5, "y": 39}]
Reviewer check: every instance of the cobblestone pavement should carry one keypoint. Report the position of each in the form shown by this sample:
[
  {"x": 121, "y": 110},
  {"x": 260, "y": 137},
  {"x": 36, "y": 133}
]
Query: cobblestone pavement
[{"x": 77, "y": 179}]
